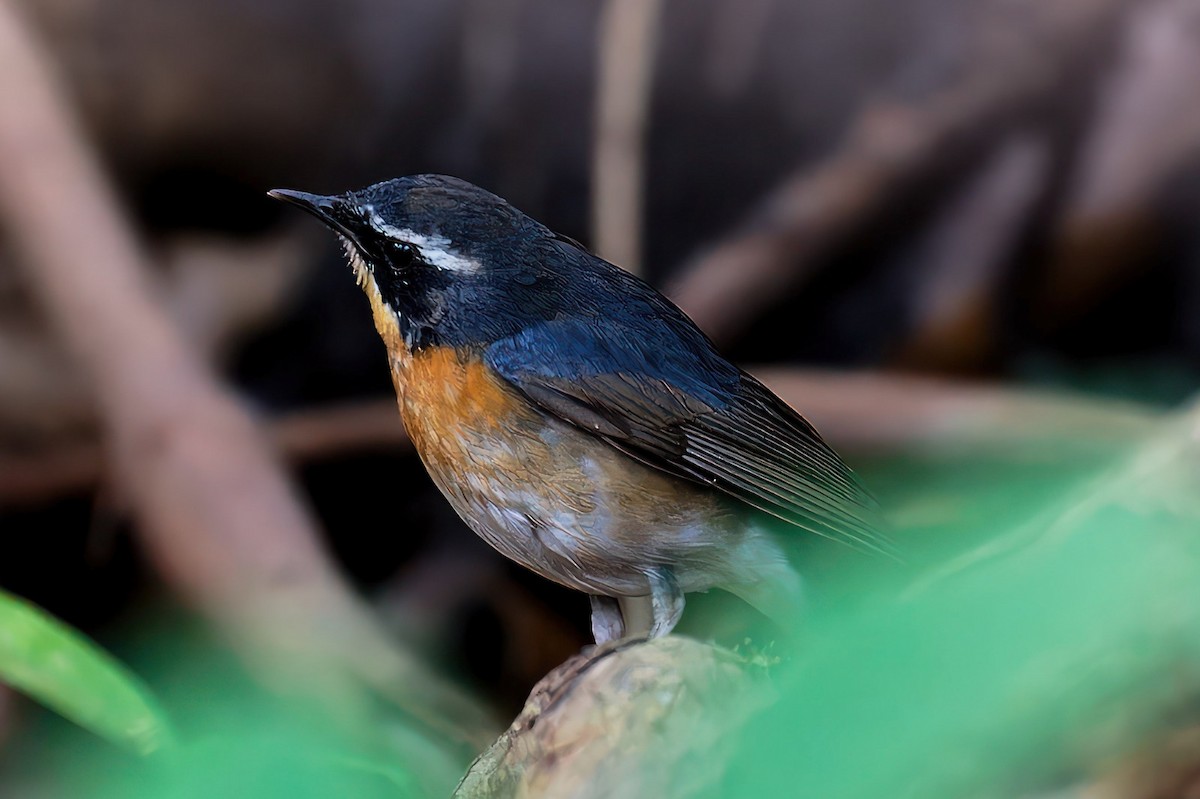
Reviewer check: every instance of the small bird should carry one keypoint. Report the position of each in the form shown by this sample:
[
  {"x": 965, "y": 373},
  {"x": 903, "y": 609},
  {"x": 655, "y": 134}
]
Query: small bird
[{"x": 576, "y": 419}]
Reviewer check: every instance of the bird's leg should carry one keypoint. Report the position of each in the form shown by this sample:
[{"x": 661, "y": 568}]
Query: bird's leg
[
  {"x": 637, "y": 613},
  {"x": 631, "y": 616},
  {"x": 607, "y": 621},
  {"x": 666, "y": 601}
]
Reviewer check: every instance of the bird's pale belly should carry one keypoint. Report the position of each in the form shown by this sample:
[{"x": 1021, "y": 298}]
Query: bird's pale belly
[
  {"x": 555, "y": 499},
  {"x": 578, "y": 512}
]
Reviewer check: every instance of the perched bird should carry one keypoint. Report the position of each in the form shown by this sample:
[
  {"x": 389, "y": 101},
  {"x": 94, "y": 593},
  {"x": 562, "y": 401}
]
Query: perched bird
[{"x": 576, "y": 419}]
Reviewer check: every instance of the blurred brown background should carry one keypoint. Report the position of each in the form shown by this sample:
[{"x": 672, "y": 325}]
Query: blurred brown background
[{"x": 942, "y": 196}]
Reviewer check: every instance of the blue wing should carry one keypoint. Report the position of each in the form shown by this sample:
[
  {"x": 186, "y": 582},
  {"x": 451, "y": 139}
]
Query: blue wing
[{"x": 647, "y": 381}]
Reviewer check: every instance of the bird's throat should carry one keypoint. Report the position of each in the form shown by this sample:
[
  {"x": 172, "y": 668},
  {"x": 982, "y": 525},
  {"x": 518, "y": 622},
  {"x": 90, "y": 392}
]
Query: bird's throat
[
  {"x": 387, "y": 323},
  {"x": 361, "y": 273}
]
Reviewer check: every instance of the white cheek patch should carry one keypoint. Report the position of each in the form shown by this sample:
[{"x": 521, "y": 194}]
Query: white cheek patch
[{"x": 437, "y": 251}]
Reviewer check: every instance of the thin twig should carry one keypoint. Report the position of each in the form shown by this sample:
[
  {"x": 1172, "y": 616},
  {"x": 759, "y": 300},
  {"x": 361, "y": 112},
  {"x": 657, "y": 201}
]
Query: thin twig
[
  {"x": 859, "y": 412},
  {"x": 956, "y": 309},
  {"x": 299, "y": 437},
  {"x": 628, "y": 36},
  {"x": 1146, "y": 134},
  {"x": 878, "y": 412}
]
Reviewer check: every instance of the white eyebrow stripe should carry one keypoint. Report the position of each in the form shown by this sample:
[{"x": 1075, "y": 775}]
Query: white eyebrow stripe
[{"x": 437, "y": 251}]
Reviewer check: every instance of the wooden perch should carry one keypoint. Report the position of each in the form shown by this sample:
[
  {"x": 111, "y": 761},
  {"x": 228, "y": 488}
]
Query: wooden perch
[
  {"x": 214, "y": 511},
  {"x": 644, "y": 718}
]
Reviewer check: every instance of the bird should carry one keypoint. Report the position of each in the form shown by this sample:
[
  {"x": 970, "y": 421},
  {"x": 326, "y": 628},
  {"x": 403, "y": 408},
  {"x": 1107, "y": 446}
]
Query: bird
[{"x": 577, "y": 420}]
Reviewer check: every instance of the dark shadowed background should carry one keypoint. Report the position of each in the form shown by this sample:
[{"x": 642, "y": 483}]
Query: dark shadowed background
[{"x": 961, "y": 236}]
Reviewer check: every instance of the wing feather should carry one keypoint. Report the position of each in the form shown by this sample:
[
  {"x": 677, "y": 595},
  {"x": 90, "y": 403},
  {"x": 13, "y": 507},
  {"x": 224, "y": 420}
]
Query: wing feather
[{"x": 666, "y": 398}]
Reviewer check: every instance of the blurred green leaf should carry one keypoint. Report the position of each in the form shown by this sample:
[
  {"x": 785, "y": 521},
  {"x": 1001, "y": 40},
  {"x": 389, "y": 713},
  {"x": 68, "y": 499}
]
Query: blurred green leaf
[
  {"x": 70, "y": 674},
  {"x": 263, "y": 761},
  {"x": 1070, "y": 639}
]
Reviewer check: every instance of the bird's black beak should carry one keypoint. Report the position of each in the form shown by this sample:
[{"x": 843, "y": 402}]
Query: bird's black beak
[{"x": 334, "y": 211}]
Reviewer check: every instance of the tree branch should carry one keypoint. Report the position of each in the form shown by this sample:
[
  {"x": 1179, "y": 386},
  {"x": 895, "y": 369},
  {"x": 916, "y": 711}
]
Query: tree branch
[
  {"x": 623, "y": 720},
  {"x": 213, "y": 509},
  {"x": 1020, "y": 55},
  {"x": 628, "y": 44}
]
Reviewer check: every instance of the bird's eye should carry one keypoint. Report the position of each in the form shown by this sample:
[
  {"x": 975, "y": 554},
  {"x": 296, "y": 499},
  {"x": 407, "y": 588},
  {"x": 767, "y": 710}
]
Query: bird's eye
[{"x": 402, "y": 252}]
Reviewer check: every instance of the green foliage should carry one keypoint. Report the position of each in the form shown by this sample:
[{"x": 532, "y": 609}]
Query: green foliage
[
  {"x": 234, "y": 740},
  {"x": 63, "y": 670},
  {"x": 998, "y": 671},
  {"x": 257, "y": 758},
  {"x": 1006, "y": 673}
]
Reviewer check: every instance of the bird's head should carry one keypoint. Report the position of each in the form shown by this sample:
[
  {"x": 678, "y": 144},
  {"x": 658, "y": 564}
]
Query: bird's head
[{"x": 442, "y": 260}]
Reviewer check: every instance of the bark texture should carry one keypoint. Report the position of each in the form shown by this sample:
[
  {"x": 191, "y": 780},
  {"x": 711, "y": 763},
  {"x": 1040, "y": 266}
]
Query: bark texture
[{"x": 647, "y": 718}]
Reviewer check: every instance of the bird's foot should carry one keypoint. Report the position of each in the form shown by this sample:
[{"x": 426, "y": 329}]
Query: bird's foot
[
  {"x": 666, "y": 601},
  {"x": 651, "y": 616},
  {"x": 607, "y": 622}
]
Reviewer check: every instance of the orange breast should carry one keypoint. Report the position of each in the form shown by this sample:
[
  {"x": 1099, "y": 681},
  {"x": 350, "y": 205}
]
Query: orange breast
[
  {"x": 459, "y": 415},
  {"x": 444, "y": 389},
  {"x": 546, "y": 494}
]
